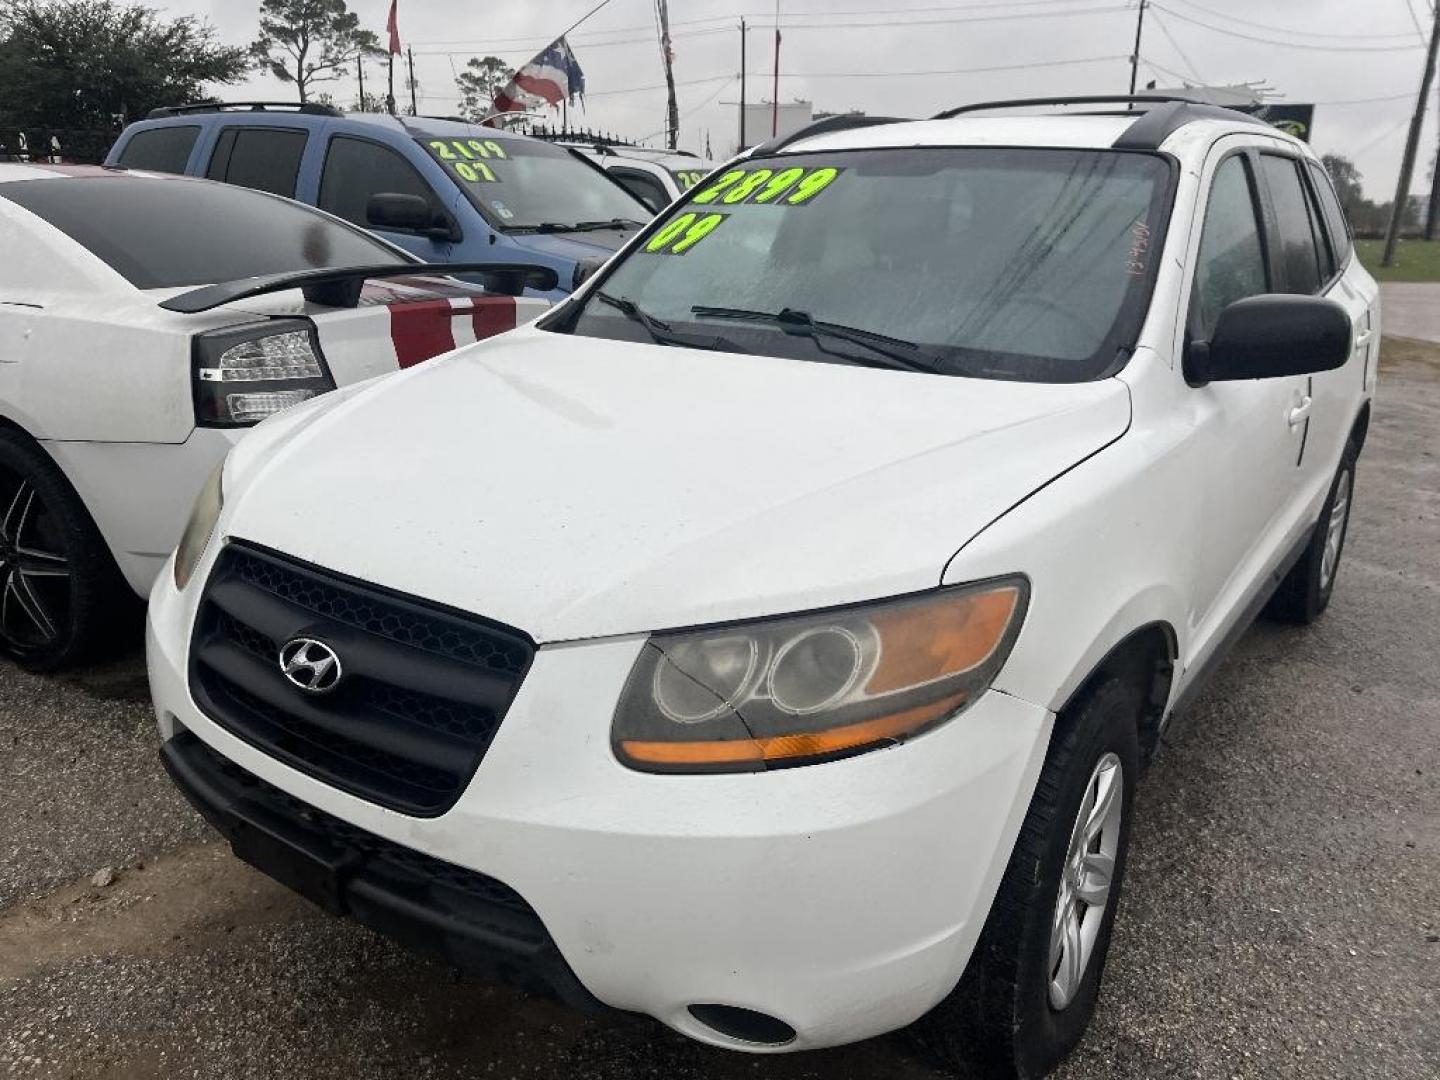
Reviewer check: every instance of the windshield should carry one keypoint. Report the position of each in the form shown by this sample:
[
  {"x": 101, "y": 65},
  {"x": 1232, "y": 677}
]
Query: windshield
[
  {"x": 528, "y": 184},
  {"x": 164, "y": 233},
  {"x": 1031, "y": 264}
]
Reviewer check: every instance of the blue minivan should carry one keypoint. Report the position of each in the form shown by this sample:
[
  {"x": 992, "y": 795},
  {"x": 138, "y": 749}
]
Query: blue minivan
[{"x": 446, "y": 190}]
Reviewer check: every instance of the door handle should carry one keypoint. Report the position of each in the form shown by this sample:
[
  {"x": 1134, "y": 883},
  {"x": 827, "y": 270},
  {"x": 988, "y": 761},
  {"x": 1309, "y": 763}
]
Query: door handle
[
  {"x": 1301, "y": 411},
  {"x": 1363, "y": 338}
]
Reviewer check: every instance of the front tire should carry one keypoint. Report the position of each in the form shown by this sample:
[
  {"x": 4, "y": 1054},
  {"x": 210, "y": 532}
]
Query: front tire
[
  {"x": 59, "y": 587},
  {"x": 1028, "y": 994},
  {"x": 1304, "y": 594}
]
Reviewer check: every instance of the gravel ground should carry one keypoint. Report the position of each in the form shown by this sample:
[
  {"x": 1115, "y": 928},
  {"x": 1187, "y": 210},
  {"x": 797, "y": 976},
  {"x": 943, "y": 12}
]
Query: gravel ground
[{"x": 1281, "y": 917}]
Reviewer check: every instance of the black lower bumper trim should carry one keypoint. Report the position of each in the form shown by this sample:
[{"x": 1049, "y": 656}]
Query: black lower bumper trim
[{"x": 461, "y": 917}]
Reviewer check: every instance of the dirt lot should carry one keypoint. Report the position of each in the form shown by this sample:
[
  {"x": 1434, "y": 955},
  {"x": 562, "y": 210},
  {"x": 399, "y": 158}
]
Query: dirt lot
[{"x": 1282, "y": 915}]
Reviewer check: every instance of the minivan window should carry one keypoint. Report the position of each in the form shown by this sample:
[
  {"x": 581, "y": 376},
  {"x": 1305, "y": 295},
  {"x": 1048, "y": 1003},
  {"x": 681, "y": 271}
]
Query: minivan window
[
  {"x": 526, "y": 184},
  {"x": 1338, "y": 227},
  {"x": 1296, "y": 256},
  {"x": 165, "y": 149},
  {"x": 1231, "y": 263},
  {"x": 1027, "y": 264},
  {"x": 356, "y": 169},
  {"x": 166, "y": 233},
  {"x": 266, "y": 159}
]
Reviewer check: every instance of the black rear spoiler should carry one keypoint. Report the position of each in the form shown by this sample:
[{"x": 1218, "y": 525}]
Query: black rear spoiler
[{"x": 341, "y": 286}]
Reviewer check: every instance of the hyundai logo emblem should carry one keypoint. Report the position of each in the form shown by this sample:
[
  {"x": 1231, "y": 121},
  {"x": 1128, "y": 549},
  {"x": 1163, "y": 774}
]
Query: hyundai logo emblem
[{"x": 310, "y": 665}]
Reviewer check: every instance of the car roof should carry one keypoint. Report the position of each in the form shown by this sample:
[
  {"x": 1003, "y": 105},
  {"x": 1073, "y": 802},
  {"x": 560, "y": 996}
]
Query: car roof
[
  {"x": 1125, "y": 128},
  {"x": 13, "y": 171}
]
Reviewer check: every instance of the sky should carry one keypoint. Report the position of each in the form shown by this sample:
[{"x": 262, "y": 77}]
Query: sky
[{"x": 1360, "y": 61}]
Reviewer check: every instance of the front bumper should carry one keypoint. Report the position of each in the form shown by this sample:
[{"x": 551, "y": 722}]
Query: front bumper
[{"x": 843, "y": 899}]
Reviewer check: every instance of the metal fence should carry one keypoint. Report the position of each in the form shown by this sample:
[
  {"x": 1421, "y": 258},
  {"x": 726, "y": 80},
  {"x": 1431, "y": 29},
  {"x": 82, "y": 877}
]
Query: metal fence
[{"x": 69, "y": 146}]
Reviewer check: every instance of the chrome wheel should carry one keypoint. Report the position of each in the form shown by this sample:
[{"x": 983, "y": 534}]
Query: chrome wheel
[
  {"x": 1085, "y": 880},
  {"x": 1335, "y": 529},
  {"x": 34, "y": 572}
]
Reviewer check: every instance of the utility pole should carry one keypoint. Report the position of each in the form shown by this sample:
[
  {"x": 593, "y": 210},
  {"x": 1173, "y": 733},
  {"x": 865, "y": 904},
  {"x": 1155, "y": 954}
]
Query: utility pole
[
  {"x": 1412, "y": 142},
  {"x": 414, "y": 105},
  {"x": 1135, "y": 56},
  {"x": 1433, "y": 212},
  {"x": 742, "y": 85},
  {"x": 672, "y": 109},
  {"x": 775, "y": 87},
  {"x": 360, "y": 73},
  {"x": 390, "y": 86}
]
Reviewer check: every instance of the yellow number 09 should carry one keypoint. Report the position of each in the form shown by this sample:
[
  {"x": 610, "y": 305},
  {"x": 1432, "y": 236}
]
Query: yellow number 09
[{"x": 687, "y": 230}]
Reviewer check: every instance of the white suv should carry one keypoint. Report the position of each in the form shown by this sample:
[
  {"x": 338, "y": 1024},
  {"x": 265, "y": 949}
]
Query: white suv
[{"x": 770, "y": 639}]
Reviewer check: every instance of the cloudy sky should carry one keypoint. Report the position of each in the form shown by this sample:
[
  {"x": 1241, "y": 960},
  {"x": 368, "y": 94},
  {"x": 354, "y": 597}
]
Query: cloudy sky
[{"x": 1359, "y": 61}]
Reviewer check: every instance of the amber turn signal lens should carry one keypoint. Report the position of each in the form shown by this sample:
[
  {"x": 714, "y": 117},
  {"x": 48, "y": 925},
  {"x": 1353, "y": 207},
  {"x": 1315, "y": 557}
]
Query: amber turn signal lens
[
  {"x": 927, "y": 642},
  {"x": 810, "y": 744}
]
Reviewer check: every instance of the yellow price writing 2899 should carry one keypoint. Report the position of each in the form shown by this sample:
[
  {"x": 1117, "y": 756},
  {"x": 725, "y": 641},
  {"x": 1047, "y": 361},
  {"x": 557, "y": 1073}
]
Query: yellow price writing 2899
[{"x": 794, "y": 186}]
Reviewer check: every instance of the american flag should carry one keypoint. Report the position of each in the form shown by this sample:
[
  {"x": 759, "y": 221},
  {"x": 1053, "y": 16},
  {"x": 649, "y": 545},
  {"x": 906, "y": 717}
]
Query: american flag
[{"x": 552, "y": 77}]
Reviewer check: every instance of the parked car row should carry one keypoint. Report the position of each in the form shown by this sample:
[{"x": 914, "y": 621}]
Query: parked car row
[{"x": 768, "y": 639}]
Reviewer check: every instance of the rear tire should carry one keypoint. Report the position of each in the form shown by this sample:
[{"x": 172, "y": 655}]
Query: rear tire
[
  {"x": 1304, "y": 594},
  {"x": 59, "y": 587},
  {"x": 1029, "y": 991}
]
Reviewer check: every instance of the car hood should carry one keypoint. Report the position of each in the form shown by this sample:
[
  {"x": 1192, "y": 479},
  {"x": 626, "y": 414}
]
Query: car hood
[
  {"x": 576, "y": 487},
  {"x": 574, "y": 245}
]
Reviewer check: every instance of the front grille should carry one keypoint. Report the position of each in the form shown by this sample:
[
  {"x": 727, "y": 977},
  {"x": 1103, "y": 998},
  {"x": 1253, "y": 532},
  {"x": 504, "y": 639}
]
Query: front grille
[{"x": 423, "y": 689}]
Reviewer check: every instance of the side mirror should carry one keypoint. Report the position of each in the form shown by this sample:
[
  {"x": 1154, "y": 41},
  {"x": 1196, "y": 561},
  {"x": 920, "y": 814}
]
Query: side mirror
[
  {"x": 1270, "y": 336},
  {"x": 408, "y": 213},
  {"x": 512, "y": 279}
]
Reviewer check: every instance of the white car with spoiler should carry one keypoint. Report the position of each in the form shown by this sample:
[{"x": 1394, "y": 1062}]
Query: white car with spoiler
[{"x": 146, "y": 322}]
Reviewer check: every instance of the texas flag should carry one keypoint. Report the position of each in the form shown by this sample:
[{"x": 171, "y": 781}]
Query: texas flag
[
  {"x": 552, "y": 77},
  {"x": 393, "y": 25}
]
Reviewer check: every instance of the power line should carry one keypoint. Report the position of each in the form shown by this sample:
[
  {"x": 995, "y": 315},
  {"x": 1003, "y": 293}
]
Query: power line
[
  {"x": 1291, "y": 31},
  {"x": 948, "y": 71},
  {"x": 1285, "y": 44},
  {"x": 1176, "y": 46}
]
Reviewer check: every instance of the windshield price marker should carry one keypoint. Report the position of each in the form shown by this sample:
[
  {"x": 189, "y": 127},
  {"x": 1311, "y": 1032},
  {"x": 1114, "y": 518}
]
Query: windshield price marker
[
  {"x": 680, "y": 235},
  {"x": 463, "y": 156},
  {"x": 794, "y": 186}
]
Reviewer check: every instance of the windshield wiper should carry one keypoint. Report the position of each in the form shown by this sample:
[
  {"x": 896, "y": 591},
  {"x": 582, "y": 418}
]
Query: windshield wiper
[
  {"x": 547, "y": 227},
  {"x": 613, "y": 223},
  {"x": 897, "y": 353},
  {"x": 662, "y": 333}
]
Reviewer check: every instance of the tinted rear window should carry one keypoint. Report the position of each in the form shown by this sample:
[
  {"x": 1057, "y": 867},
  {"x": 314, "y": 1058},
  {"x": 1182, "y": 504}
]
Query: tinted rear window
[
  {"x": 164, "y": 149},
  {"x": 166, "y": 233},
  {"x": 266, "y": 159},
  {"x": 1334, "y": 217},
  {"x": 1297, "y": 259}
]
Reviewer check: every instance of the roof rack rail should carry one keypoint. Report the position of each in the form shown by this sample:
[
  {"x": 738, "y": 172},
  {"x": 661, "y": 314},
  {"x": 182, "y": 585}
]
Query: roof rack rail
[
  {"x": 311, "y": 108},
  {"x": 1159, "y": 115},
  {"x": 823, "y": 127}
]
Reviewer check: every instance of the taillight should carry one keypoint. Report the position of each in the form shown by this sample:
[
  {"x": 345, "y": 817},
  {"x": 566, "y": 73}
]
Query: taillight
[{"x": 246, "y": 373}]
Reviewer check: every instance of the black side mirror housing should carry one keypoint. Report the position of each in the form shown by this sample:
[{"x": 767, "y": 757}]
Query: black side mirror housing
[
  {"x": 512, "y": 279},
  {"x": 1271, "y": 336},
  {"x": 409, "y": 213}
]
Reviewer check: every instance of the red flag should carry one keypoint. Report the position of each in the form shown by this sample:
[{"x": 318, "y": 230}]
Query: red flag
[{"x": 393, "y": 25}]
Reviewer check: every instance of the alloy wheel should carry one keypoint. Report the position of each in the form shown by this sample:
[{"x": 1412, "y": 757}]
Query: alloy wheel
[
  {"x": 34, "y": 571},
  {"x": 1335, "y": 529},
  {"x": 1085, "y": 880}
]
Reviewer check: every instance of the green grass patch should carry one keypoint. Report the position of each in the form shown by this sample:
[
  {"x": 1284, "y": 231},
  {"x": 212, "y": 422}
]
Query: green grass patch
[{"x": 1415, "y": 260}]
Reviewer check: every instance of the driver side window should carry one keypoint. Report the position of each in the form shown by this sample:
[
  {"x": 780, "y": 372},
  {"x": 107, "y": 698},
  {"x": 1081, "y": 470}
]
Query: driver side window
[{"x": 1231, "y": 264}]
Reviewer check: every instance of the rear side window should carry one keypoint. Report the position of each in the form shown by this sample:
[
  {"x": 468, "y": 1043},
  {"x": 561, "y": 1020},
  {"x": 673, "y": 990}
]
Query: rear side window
[
  {"x": 165, "y": 149},
  {"x": 643, "y": 186},
  {"x": 167, "y": 233},
  {"x": 266, "y": 159},
  {"x": 1296, "y": 257},
  {"x": 1338, "y": 227},
  {"x": 356, "y": 169},
  {"x": 1231, "y": 265}
]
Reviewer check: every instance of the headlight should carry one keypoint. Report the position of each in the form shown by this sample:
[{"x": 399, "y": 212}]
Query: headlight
[
  {"x": 199, "y": 528},
  {"x": 806, "y": 688}
]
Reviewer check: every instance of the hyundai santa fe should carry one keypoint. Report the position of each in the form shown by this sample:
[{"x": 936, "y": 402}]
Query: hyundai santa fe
[{"x": 771, "y": 638}]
